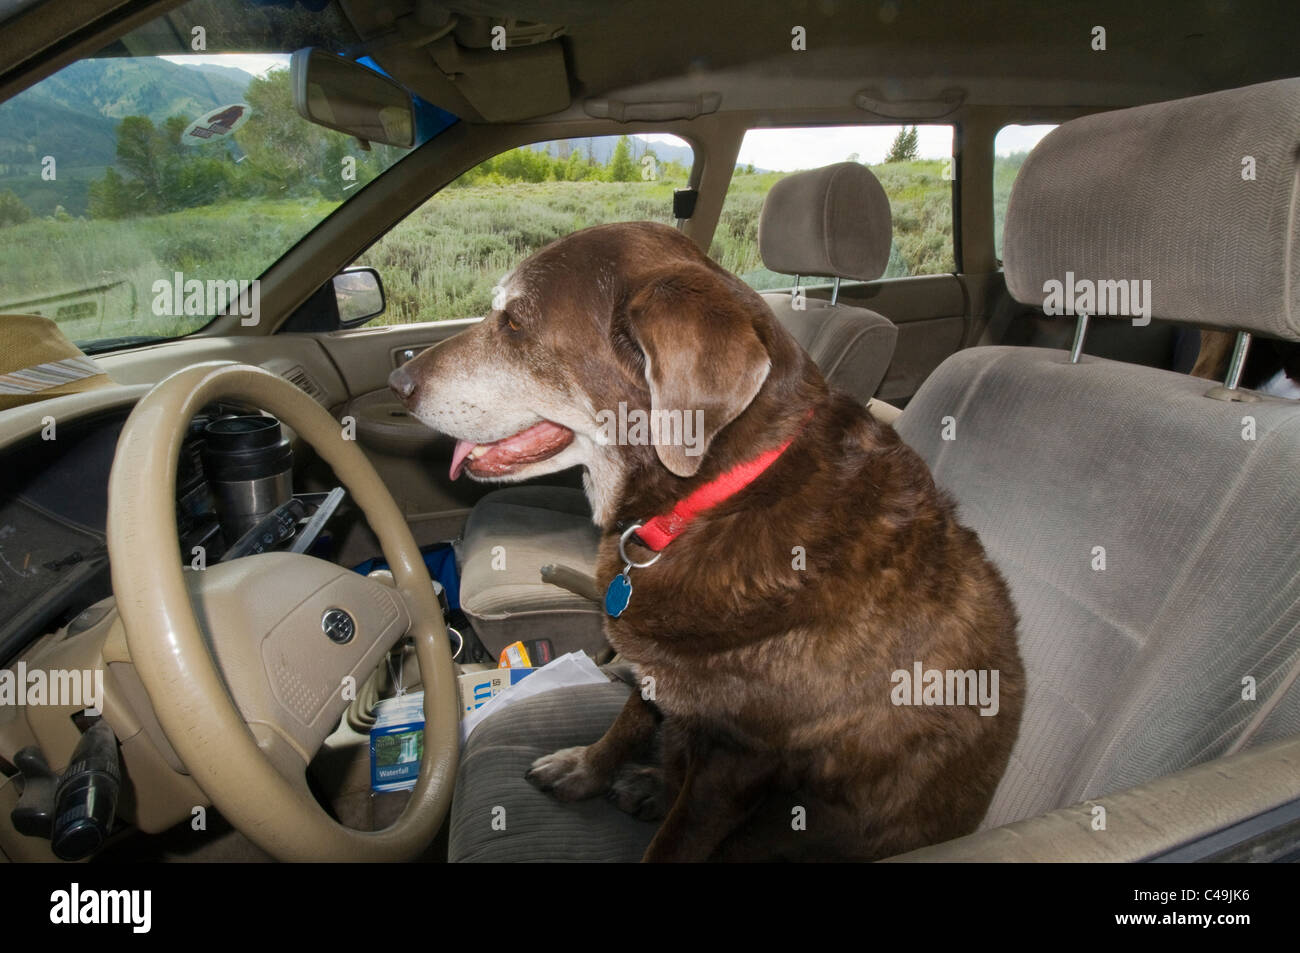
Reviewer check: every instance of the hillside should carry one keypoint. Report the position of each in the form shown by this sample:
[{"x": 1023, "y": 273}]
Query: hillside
[
  {"x": 601, "y": 149},
  {"x": 73, "y": 114}
]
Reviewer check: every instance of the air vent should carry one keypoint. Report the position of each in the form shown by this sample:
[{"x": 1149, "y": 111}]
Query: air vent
[{"x": 300, "y": 379}]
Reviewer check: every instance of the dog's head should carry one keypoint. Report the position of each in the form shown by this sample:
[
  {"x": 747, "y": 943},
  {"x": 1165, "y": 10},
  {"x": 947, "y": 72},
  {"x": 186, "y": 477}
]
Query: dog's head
[{"x": 620, "y": 348}]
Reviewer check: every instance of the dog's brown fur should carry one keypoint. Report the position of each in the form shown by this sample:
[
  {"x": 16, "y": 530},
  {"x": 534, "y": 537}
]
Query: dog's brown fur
[
  {"x": 1264, "y": 359},
  {"x": 769, "y": 682}
]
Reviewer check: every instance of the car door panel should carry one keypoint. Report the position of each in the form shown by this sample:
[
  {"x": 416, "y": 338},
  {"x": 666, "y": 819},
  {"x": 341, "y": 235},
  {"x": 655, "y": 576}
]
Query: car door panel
[
  {"x": 412, "y": 460},
  {"x": 366, "y": 356}
]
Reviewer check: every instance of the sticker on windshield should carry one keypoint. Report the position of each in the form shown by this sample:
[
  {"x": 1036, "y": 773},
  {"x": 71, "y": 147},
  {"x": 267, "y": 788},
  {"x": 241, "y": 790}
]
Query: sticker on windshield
[{"x": 217, "y": 124}]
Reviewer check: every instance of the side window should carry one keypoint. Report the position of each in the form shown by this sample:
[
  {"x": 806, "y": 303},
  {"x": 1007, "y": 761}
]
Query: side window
[
  {"x": 443, "y": 260},
  {"x": 1010, "y": 147},
  {"x": 913, "y": 163}
]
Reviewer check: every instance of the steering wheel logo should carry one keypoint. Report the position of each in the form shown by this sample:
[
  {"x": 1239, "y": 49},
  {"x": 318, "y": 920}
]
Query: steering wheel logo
[{"x": 338, "y": 626}]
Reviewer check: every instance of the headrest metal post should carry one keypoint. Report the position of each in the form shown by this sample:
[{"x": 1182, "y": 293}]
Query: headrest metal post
[
  {"x": 835, "y": 292},
  {"x": 1238, "y": 361},
  {"x": 795, "y": 289},
  {"x": 1080, "y": 333}
]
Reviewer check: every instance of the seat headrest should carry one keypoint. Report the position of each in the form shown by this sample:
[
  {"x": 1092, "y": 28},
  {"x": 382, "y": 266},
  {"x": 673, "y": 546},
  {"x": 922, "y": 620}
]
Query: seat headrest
[
  {"x": 833, "y": 222},
  {"x": 1197, "y": 196}
]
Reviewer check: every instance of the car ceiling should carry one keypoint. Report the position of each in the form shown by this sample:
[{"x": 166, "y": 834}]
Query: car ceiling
[
  {"x": 565, "y": 54},
  {"x": 1015, "y": 52}
]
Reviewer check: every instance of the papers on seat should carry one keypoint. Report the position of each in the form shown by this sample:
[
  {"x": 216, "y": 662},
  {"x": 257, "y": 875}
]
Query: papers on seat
[{"x": 576, "y": 668}]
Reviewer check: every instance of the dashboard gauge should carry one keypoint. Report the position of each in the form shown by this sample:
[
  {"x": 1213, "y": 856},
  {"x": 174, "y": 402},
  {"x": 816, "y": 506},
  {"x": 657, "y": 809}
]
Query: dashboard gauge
[{"x": 41, "y": 556}]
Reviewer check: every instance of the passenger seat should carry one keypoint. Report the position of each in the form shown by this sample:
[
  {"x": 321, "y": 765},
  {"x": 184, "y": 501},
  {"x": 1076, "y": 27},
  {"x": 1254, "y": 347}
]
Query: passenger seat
[{"x": 832, "y": 222}]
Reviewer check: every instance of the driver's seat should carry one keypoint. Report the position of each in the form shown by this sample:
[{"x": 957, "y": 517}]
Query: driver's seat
[{"x": 1136, "y": 670}]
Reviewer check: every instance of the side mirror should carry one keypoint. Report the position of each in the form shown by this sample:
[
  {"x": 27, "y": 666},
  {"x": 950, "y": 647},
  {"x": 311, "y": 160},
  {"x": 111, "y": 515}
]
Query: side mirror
[
  {"x": 360, "y": 296},
  {"x": 341, "y": 94}
]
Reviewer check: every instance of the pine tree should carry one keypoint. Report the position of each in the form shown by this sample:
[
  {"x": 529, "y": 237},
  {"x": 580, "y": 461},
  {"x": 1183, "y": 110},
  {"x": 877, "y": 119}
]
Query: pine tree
[
  {"x": 905, "y": 147},
  {"x": 913, "y": 144},
  {"x": 621, "y": 166}
]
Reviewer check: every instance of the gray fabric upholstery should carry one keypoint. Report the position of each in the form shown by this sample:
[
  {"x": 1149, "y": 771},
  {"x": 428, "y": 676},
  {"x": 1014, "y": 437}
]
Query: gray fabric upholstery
[
  {"x": 1160, "y": 820},
  {"x": 1135, "y": 671},
  {"x": 1157, "y": 192},
  {"x": 533, "y": 525},
  {"x": 853, "y": 347},
  {"x": 537, "y": 827},
  {"x": 833, "y": 221}
]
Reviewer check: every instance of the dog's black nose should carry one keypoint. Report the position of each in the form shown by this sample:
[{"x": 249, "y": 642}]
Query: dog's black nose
[{"x": 402, "y": 383}]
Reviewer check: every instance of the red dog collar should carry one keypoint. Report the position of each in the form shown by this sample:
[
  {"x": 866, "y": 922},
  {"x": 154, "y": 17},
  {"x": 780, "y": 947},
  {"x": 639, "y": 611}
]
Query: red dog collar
[{"x": 659, "y": 531}]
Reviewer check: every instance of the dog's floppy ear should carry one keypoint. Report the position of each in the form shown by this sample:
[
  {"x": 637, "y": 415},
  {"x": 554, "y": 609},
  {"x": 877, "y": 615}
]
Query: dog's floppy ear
[{"x": 701, "y": 354}]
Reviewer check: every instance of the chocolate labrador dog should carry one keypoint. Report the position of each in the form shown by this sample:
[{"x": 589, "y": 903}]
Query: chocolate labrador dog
[{"x": 827, "y": 660}]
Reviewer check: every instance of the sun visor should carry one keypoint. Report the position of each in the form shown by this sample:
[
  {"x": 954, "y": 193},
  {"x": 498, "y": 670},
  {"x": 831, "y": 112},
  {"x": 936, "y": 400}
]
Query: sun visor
[{"x": 483, "y": 84}]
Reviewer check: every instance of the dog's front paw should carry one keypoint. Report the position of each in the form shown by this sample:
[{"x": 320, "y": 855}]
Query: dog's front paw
[
  {"x": 638, "y": 789},
  {"x": 568, "y": 775}
]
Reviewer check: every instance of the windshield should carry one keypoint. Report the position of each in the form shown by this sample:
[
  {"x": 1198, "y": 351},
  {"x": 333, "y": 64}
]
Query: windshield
[{"x": 141, "y": 195}]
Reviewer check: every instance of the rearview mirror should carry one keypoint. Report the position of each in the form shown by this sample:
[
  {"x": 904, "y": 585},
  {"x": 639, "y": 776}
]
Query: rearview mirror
[
  {"x": 341, "y": 94},
  {"x": 360, "y": 296}
]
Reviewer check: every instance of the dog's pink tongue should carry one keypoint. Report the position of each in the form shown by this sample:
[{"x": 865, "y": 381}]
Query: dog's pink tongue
[{"x": 463, "y": 449}]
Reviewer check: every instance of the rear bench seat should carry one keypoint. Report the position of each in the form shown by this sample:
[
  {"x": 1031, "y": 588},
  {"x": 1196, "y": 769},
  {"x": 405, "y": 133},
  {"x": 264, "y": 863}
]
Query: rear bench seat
[{"x": 829, "y": 222}]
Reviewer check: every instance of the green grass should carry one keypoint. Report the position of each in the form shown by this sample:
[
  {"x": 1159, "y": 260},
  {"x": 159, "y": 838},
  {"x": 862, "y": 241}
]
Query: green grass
[
  {"x": 236, "y": 240},
  {"x": 440, "y": 262},
  {"x": 444, "y": 259}
]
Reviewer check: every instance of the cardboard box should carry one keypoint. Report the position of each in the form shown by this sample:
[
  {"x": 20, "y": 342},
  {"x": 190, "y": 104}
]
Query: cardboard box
[{"x": 477, "y": 687}]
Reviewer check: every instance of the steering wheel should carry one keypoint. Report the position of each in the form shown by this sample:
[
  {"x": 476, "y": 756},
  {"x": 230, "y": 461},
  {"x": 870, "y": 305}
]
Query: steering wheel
[{"x": 236, "y": 658}]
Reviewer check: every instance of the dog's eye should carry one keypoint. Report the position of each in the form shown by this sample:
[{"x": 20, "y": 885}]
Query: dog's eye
[{"x": 508, "y": 323}]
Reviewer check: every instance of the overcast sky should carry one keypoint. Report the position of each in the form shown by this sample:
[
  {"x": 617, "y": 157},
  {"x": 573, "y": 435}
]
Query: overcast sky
[
  {"x": 789, "y": 150},
  {"x": 1018, "y": 138},
  {"x": 255, "y": 63}
]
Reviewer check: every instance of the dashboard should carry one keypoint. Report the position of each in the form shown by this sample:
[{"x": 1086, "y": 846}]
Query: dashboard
[{"x": 54, "y": 512}]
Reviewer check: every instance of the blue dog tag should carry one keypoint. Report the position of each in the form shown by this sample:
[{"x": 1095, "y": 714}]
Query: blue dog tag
[{"x": 618, "y": 594}]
